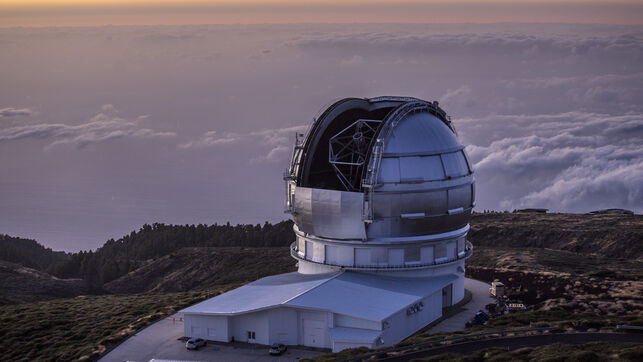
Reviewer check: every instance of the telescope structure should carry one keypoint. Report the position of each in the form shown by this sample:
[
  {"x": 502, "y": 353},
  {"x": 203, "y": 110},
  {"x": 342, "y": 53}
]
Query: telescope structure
[{"x": 381, "y": 193}]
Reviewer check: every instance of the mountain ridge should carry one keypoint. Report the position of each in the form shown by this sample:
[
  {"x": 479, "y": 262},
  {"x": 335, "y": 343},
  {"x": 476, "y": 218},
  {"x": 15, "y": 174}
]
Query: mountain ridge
[{"x": 174, "y": 258}]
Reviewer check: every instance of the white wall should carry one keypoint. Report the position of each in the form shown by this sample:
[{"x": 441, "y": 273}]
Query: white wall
[
  {"x": 458, "y": 284},
  {"x": 313, "y": 268},
  {"x": 339, "y": 255},
  {"x": 450, "y": 268},
  {"x": 283, "y": 326},
  {"x": 213, "y": 328},
  {"x": 257, "y": 322},
  {"x": 319, "y": 254},
  {"x": 342, "y": 320},
  {"x": 401, "y": 325}
]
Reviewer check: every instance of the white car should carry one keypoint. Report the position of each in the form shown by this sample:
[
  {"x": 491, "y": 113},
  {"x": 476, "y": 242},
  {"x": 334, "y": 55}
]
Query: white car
[
  {"x": 277, "y": 349},
  {"x": 195, "y": 343}
]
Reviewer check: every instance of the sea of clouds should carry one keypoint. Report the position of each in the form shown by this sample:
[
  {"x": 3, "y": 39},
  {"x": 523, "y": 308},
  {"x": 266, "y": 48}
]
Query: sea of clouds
[{"x": 103, "y": 129}]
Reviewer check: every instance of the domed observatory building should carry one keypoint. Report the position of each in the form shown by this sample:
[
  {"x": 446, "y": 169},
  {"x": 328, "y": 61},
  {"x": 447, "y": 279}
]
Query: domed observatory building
[{"x": 381, "y": 194}]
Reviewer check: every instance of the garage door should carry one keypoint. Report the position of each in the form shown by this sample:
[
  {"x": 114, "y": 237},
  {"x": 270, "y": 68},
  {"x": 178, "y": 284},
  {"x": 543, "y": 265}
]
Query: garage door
[
  {"x": 197, "y": 332},
  {"x": 212, "y": 333},
  {"x": 314, "y": 333}
]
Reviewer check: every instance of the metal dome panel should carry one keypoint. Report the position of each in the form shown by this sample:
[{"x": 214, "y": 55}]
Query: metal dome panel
[
  {"x": 420, "y": 134},
  {"x": 329, "y": 213}
]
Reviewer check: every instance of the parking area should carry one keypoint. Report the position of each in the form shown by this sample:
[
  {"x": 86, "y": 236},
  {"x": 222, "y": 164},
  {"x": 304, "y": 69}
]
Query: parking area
[
  {"x": 162, "y": 340},
  {"x": 479, "y": 299}
]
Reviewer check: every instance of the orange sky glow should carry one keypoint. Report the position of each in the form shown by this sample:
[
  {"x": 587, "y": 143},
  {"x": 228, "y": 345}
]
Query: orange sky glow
[{"x": 174, "y": 12}]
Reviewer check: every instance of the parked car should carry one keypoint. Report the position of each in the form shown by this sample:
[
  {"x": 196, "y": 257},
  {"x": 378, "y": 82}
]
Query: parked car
[
  {"x": 277, "y": 349},
  {"x": 480, "y": 318},
  {"x": 195, "y": 343}
]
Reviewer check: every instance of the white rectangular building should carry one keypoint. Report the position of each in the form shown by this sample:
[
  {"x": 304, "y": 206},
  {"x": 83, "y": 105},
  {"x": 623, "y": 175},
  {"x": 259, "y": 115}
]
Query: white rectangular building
[{"x": 333, "y": 310}]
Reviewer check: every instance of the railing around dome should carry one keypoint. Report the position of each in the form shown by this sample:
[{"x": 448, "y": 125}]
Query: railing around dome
[{"x": 468, "y": 251}]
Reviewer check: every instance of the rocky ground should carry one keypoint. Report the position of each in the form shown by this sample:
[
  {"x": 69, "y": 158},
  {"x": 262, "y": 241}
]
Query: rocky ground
[
  {"x": 552, "y": 291},
  {"x": 611, "y": 235},
  {"x": 588, "y": 265}
]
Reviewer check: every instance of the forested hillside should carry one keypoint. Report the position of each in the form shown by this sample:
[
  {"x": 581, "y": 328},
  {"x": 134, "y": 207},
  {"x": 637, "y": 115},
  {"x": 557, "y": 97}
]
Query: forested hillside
[
  {"x": 118, "y": 257},
  {"x": 161, "y": 257},
  {"x": 29, "y": 253}
]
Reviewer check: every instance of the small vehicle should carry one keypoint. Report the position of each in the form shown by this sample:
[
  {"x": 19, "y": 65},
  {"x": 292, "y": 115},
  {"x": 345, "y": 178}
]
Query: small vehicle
[
  {"x": 277, "y": 349},
  {"x": 195, "y": 343},
  {"x": 480, "y": 318},
  {"x": 515, "y": 307}
]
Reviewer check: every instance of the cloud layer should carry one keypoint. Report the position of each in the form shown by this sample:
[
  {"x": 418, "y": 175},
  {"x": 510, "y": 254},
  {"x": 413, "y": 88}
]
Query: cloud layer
[
  {"x": 551, "y": 115},
  {"x": 15, "y": 112},
  {"x": 573, "y": 161},
  {"x": 273, "y": 145},
  {"x": 99, "y": 128}
]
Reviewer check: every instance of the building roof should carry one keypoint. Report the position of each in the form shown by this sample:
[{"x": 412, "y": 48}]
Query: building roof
[
  {"x": 360, "y": 295},
  {"x": 369, "y": 296},
  {"x": 261, "y": 294}
]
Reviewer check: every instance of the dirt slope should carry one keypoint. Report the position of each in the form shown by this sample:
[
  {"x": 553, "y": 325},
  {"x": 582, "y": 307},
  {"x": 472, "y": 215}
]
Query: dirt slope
[
  {"x": 193, "y": 268},
  {"x": 20, "y": 284}
]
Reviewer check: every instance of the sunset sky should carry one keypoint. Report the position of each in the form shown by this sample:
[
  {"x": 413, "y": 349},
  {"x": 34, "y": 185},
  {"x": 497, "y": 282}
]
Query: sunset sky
[
  {"x": 174, "y": 12},
  {"x": 185, "y": 112}
]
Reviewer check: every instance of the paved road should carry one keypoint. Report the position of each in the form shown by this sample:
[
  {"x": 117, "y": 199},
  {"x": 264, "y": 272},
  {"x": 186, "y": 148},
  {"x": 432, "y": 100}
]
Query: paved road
[
  {"x": 161, "y": 341},
  {"x": 479, "y": 298},
  {"x": 511, "y": 343}
]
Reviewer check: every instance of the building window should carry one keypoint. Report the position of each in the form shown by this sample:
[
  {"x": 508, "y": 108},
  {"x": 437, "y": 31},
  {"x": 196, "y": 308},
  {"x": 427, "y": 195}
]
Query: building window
[
  {"x": 411, "y": 255},
  {"x": 379, "y": 256},
  {"x": 251, "y": 335},
  {"x": 440, "y": 251}
]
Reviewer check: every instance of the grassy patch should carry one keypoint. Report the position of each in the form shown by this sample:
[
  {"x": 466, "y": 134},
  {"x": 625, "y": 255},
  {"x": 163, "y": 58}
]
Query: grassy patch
[
  {"x": 532, "y": 319},
  {"x": 562, "y": 319},
  {"x": 588, "y": 352},
  {"x": 561, "y": 261},
  {"x": 85, "y": 326}
]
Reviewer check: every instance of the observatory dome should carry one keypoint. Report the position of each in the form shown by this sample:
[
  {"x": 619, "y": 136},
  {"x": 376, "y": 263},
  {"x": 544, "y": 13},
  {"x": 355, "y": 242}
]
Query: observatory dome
[
  {"x": 381, "y": 193},
  {"x": 379, "y": 171}
]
